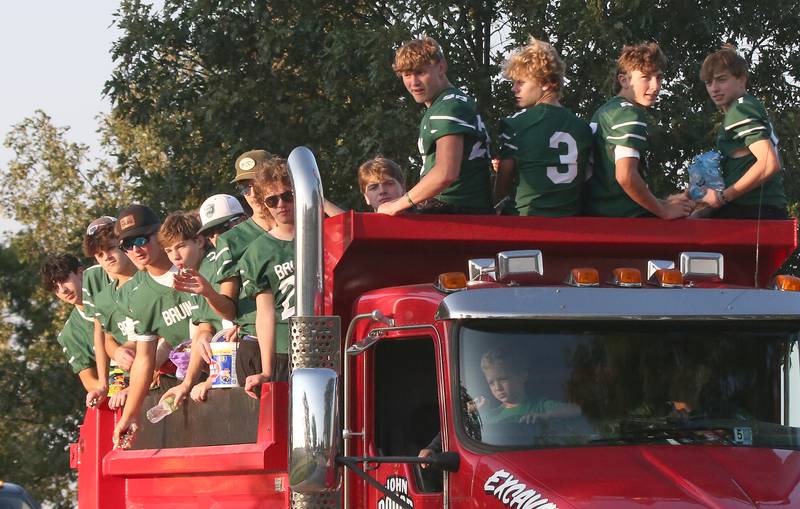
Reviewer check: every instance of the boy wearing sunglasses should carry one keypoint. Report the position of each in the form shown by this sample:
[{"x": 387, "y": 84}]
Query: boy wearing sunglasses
[
  {"x": 231, "y": 245},
  {"x": 110, "y": 331},
  {"x": 155, "y": 309},
  {"x": 268, "y": 266},
  {"x": 62, "y": 274}
]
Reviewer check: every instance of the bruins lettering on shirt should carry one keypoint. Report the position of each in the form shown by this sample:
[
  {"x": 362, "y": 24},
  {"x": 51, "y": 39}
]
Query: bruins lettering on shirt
[
  {"x": 269, "y": 266},
  {"x": 156, "y": 310}
]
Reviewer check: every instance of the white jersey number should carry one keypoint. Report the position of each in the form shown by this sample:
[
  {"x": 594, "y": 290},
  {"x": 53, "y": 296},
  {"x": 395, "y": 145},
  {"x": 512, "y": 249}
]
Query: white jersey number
[
  {"x": 288, "y": 302},
  {"x": 570, "y": 159}
]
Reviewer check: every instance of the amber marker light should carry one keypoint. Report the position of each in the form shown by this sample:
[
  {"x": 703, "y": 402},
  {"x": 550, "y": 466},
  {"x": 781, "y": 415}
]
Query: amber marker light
[
  {"x": 627, "y": 277},
  {"x": 669, "y": 278},
  {"x": 786, "y": 283},
  {"x": 584, "y": 276},
  {"x": 451, "y": 281}
]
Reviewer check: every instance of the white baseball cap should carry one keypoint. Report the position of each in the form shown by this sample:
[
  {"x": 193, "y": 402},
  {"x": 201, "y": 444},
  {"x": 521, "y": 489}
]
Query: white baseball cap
[{"x": 218, "y": 209}]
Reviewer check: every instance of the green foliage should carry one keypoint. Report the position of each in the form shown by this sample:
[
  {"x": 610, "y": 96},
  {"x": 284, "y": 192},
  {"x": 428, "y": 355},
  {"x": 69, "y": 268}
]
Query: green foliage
[
  {"x": 54, "y": 190},
  {"x": 197, "y": 83}
]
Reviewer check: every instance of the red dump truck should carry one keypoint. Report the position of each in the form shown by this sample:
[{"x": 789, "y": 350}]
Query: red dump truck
[{"x": 652, "y": 363}]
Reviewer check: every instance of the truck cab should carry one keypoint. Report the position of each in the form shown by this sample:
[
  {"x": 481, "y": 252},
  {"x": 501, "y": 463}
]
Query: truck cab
[{"x": 632, "y": 394}]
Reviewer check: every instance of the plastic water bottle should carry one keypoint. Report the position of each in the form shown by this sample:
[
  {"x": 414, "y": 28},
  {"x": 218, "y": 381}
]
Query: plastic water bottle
[
  {"x": 163, "y": 409},
  {"x": 704, "y": 174}
]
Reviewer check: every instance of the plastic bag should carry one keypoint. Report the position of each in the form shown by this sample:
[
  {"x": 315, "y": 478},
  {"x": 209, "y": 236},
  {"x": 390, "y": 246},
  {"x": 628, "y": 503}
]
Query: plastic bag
[{"x": 704, "y": 174}]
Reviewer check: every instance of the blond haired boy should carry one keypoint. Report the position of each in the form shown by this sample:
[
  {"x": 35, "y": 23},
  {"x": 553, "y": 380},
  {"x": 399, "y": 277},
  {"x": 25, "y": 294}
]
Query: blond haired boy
[
  {"x": 544, "y": 148},
  {"x": 621, "y": 140},
  {"x": 750, "y": 163},
  {"x": 381, "y": 180},
  {"x": 452, "y": 138}
]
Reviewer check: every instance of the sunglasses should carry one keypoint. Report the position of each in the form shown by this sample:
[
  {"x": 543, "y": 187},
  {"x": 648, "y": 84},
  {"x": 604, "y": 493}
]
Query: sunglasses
[
  {"x": 129, "y": 244},
  {"x": 272, "y": 201},
  {"x": 244, "y": 188},
  {"x": 222, "y": 228},
  {"x": 99, "y": 223}
]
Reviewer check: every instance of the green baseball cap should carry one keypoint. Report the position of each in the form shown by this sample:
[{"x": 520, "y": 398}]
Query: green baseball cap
[{"x": 246, "y": 164}]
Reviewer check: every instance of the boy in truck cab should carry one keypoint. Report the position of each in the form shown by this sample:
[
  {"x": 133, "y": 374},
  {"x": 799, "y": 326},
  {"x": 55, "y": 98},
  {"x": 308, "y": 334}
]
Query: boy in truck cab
[
  {"x": 618, "y": 186},
  {"x": 506, "y": 374},
  {"x": 750, "y": 164},
  {"x": 452, "y": 138}
]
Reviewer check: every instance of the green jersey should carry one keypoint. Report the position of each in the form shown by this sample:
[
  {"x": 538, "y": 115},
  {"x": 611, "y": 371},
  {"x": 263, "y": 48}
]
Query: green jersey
[
  {"x": 231, "y": 245},
  {"x": 550, "y": 148},
  {"x": 111, "y": 312},
  {"x": 618, "y": 123},
  {"x": 453, "y": 112},
  {"x": 94, "y": 280},
  {"x": 502, "y": 414},
  {"x": 77, "y": 340},
  {"x": 745, "y": 123},
  {"x": 204, "y": 313},
  {"x": 155, "y": 309},
  {"x": 269, "y": 264}
]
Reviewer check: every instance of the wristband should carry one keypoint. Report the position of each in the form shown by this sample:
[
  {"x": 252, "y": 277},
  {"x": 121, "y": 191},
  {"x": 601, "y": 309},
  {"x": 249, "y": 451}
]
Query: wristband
[
  {"x": 721, "y": 196},
  {"x": 410, "y": 201}
]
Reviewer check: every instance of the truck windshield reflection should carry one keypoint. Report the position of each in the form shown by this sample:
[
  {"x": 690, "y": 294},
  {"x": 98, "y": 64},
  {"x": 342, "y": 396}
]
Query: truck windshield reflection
[{"x": 534, "y": 384}]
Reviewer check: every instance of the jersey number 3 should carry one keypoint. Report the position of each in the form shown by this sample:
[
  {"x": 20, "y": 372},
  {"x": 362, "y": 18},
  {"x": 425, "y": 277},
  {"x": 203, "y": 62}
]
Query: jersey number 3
[{"x": 570, "y": 159}]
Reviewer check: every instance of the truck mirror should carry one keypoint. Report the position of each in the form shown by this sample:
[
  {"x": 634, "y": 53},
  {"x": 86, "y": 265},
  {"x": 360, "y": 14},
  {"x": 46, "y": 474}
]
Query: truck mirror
[
  {"x": 314, "y": 437},
  {"x": 446, "y": 461}
]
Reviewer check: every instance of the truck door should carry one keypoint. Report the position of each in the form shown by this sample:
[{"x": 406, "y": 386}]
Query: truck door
[{"x": 406, "y": 419}]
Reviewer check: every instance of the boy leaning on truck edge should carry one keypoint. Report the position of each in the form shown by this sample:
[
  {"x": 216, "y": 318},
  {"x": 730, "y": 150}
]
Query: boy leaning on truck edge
[
  {"x": 617, "y": 186},
  {"x": 452, "y": 138},
  {"x": 750, "y": 164}
]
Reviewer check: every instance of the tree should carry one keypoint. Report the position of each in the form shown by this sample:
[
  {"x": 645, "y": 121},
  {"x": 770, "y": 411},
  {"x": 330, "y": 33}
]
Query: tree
[{"x": 54, "y": 190}]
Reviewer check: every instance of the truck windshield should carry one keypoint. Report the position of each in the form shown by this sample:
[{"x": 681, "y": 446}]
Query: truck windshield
[{"x": 533, "y": 384}]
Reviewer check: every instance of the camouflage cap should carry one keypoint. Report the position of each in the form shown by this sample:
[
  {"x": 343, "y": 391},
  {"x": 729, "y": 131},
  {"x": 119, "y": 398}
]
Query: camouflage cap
[
  {"x": 246, "y": 164},
  {"x": 136, "y": 221}
]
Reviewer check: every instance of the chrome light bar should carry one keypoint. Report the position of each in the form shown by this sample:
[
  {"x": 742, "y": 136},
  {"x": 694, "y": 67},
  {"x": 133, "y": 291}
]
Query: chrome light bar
[{"x": 698, "y": 265}]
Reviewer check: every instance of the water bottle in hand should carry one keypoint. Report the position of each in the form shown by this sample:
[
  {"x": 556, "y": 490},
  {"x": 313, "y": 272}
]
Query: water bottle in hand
[
  {"x": 163, "y": 409},
  {"x": 704, "y": 174}
]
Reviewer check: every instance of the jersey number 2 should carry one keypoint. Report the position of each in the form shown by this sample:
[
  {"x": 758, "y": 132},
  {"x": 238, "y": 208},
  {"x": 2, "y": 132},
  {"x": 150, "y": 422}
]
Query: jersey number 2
[{"x": 570, "y": 159}]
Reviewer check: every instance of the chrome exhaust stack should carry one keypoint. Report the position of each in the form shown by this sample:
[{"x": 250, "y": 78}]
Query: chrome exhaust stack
[{"x": 314, "y": 428}]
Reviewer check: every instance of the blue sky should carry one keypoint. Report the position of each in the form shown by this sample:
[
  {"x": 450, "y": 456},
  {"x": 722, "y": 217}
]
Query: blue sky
[{"x": 56, "y": 58}]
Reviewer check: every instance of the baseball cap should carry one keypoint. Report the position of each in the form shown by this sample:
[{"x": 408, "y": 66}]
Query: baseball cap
[
  {"x": 137, "y": 220},
  {"x": 218, "y": 209},
  {"x": 246, "y": 164}
]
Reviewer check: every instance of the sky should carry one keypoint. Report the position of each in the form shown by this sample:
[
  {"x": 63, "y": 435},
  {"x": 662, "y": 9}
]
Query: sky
[{"x": 56, "y": 57}]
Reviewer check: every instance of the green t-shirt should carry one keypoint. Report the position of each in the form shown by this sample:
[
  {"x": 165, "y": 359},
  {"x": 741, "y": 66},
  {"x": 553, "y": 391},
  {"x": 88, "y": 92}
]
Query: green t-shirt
[
  {"x": 231, "y": 245},
  {"x": 111, "y": 312},
  {"x": 551, "y": 148},
  {"x": 453, "y": 112},
  {"x": 617, "y": 123},
  {"x": 77, "y": 340},
  {"x": 94, "y": 280},
  {"x": 502, "y": 414},
  {"x": 204, "y": 313},
  {"x": 269, "y": 264},
  {"x": 157, "y": 310},
  {"x": 745, "y": 123}
]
